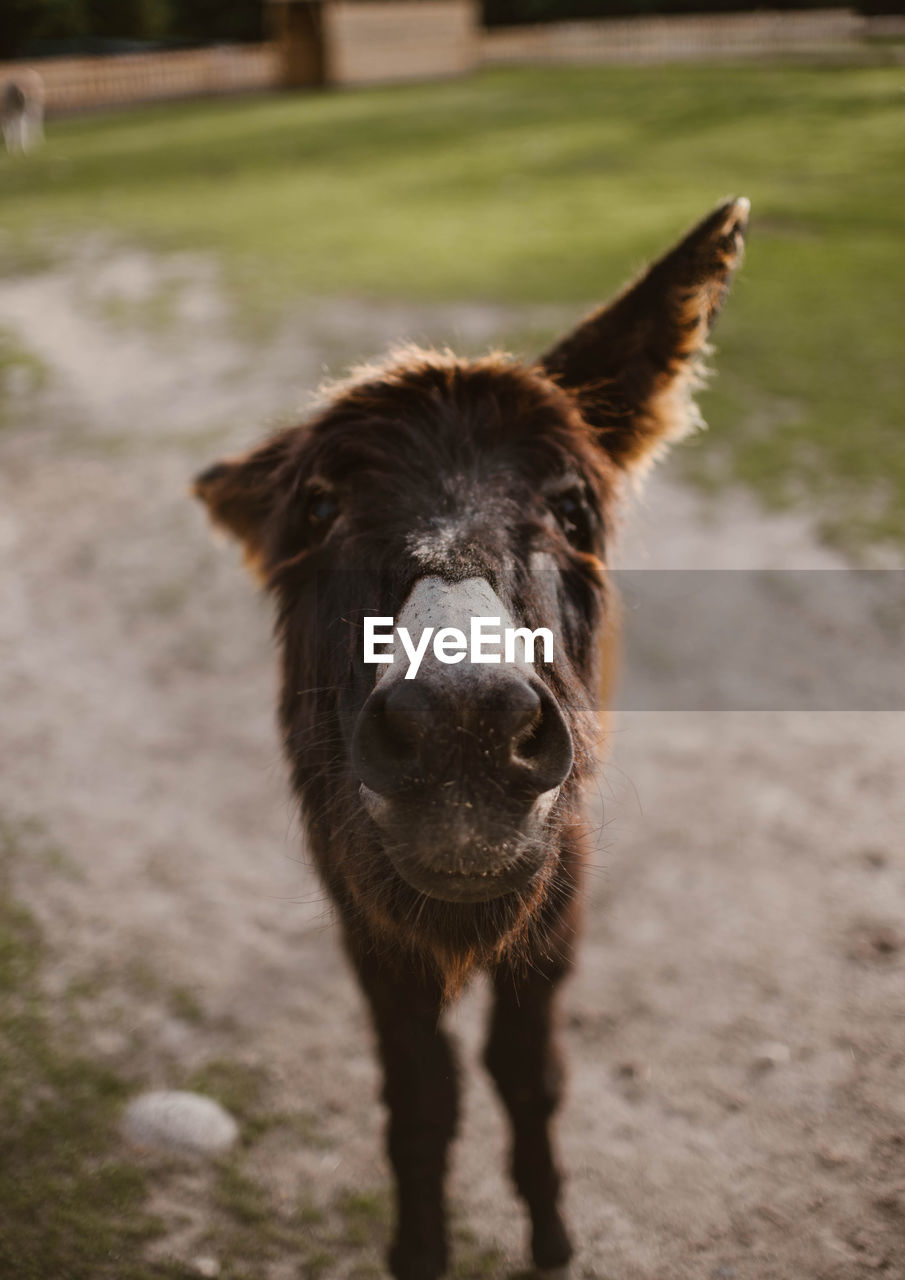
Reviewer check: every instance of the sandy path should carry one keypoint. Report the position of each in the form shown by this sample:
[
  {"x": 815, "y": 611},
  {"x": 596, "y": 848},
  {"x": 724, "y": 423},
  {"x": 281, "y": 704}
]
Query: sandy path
[{"x": 737, "y": 1107}]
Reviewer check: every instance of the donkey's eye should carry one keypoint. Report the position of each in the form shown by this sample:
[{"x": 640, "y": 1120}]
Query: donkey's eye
[
  {"x": 575, "y": 518},
  {"x": 321, "y": 509}
]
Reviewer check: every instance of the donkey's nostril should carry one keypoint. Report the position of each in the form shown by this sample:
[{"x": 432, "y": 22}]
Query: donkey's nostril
[
  {"x": 407, "y": 716},
  {"x": 526, "y": 744},
  {"x": 513, "y": 711},
  {"x": 388, "y": 739},
  {"x": 542, "y": 750}
]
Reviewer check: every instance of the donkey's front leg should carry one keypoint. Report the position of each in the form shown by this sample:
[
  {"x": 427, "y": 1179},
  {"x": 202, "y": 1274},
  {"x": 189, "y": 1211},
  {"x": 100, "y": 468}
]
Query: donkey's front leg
[
  {"x": 523, "y": 1057},
  {"x": 421, "y": 1093}
]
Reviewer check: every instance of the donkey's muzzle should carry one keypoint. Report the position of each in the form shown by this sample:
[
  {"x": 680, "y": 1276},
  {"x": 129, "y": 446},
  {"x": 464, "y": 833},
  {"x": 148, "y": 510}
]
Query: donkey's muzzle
[
  {"x": 460, "y": 766},
  {"x": 460, "y": 778},
  {"x": 505, "y": 735}
]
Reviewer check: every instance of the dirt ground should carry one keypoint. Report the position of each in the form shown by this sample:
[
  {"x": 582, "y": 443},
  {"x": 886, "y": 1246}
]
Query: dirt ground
[{"x": 737, "y": 1022}]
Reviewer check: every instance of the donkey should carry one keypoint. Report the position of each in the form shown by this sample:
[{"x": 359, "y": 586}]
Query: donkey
[
  {"x": 22, "y": 111},
  {"x": 444, "y": 811}
]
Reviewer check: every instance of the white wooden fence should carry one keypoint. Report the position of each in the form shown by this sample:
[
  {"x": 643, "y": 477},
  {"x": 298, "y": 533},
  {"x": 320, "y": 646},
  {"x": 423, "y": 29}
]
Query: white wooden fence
[{"x": 77, "y": 84}]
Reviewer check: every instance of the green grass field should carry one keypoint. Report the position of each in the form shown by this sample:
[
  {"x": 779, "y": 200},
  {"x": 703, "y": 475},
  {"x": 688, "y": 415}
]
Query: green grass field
[{"x": 530, "y": 185}]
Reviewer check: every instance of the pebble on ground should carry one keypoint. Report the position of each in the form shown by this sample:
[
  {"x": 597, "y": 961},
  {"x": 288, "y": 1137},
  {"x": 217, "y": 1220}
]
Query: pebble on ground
[{"x": 174, "y": 1120}]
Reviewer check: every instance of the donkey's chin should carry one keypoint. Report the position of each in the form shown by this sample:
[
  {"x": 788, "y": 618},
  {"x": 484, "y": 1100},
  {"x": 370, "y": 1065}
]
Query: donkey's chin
[
  {"x": 463, "y": 886},
  {"x": 449, "y": 854}
]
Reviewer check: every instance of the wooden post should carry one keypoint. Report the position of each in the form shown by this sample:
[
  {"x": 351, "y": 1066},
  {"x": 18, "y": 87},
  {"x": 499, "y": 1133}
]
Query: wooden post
[{"x": 297, "y": 26}]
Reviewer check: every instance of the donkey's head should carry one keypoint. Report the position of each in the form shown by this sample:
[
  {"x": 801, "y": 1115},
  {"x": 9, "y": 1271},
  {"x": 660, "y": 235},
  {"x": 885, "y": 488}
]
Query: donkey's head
[{"x": 428, "y": 492}]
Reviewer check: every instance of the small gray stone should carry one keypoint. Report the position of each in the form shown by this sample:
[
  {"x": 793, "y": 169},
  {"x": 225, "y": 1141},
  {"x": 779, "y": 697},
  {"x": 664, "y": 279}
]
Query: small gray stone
[{"x": 173, "y": 1120}]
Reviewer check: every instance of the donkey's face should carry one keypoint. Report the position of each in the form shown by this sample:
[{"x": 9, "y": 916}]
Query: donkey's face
[
  {"x": 432, "y": 491},
  {"x": 442, "y": 492}
]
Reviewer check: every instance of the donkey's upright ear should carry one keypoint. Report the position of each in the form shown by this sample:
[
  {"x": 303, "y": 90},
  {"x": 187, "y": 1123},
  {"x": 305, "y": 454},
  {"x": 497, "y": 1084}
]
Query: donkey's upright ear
[
  {"x": 242, "y": 493},
  {"x": 635, "y": 363}
]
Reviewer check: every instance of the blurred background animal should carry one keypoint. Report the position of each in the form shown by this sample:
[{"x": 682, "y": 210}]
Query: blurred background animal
[{"x": 22, "y": 111}]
